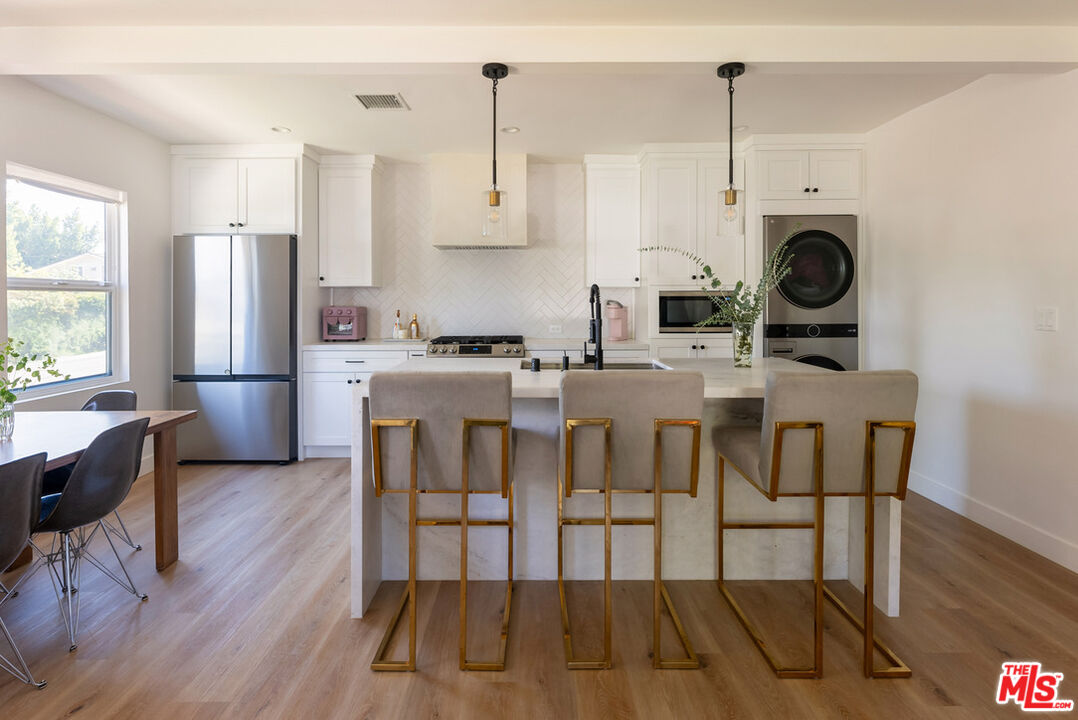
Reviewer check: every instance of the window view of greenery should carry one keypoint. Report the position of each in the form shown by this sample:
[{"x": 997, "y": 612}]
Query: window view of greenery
[{"x": 56, "y": 247}]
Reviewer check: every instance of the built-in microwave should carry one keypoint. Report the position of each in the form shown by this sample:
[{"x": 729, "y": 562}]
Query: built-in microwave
[{"x": 680, "y": 311}]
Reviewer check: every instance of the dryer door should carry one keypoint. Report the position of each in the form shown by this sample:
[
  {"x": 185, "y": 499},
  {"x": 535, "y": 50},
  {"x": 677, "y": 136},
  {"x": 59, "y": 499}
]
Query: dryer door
[{"x": 822, "y": 270}]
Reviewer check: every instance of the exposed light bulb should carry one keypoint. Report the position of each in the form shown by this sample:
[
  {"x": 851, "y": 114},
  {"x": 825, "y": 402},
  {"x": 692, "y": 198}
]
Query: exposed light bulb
[
  {"x": 729, "y": 211},
  {"x": 495, "y": 217}
]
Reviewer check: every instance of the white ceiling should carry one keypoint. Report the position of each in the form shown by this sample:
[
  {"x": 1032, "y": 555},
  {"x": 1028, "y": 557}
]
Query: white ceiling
[
  {"x": 560, "y": 113},
  {"x": 537, "y": 12}
]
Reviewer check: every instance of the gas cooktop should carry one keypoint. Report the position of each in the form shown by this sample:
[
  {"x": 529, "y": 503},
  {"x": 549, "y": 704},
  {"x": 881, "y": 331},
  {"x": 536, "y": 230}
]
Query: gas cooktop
[{"x": 476, "y": 346}]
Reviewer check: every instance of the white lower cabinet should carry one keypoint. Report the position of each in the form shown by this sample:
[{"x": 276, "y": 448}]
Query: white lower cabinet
[
  {"x": 695, "y": 348},
  {"x": 327, "y": 407},
  {"x": 328, "y": 380}
]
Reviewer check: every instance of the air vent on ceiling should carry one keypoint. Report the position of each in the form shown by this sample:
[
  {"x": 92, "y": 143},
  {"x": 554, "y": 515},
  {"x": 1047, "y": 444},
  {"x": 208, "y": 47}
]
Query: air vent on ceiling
[{"x": 383, "y": 102}]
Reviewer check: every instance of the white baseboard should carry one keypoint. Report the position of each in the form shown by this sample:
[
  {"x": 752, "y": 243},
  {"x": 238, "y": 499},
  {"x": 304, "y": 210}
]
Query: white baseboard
[
  {"x": 327, "y": 451},
  {"x": 1040, "y": 541}
]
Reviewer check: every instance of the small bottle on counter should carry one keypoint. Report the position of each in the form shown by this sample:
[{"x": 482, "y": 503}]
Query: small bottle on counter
[
  {"x": 413, "y": 328},
  {"x": 398, "y": 331}
]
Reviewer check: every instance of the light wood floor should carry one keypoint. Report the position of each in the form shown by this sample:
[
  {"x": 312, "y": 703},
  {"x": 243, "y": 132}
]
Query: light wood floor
[{"x": 253, "y": 622}]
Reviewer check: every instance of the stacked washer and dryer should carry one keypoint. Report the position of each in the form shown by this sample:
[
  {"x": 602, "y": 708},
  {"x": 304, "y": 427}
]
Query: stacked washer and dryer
[{"x": 811, "y": 317}]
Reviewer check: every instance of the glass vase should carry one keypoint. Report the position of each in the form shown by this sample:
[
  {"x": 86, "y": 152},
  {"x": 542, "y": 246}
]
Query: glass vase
[
  {"x": 743, "y": 344},
  {"x": 7, "y": 420}
]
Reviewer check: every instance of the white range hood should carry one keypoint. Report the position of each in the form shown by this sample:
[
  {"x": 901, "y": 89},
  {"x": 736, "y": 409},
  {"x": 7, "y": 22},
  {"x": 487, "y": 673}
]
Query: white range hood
[{"x": 457, "y": 185}]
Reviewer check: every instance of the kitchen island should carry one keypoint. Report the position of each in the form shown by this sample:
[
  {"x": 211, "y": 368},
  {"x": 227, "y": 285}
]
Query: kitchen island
[{"x": 732, "y": 396}]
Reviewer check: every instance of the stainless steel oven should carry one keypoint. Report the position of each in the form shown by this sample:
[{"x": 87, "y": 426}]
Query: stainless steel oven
[{"x": 680, "y": 311}]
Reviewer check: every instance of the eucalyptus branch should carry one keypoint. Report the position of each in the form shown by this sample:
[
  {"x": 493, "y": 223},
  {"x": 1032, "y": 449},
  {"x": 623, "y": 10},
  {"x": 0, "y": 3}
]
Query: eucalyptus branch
[
  {"x": 741, "y": 304},
  {"x": 19, "y": 369}
]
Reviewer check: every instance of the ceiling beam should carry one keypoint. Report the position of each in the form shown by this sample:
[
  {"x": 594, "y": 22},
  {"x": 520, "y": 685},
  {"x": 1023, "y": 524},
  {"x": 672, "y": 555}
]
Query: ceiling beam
[{"x": 113, "y": 50}]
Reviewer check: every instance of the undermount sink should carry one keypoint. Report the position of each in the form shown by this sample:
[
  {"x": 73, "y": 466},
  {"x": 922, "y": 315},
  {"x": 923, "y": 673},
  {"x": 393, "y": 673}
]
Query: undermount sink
[{"x": 556, "y": 365}]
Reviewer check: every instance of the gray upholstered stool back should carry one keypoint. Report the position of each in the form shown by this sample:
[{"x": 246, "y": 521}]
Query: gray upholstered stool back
[
  {"x": 440, "y": 402},
  {"x": 633, "y": 400},
  {"x": 20, "y": 503},
  {"x": 845, "y": 403}
]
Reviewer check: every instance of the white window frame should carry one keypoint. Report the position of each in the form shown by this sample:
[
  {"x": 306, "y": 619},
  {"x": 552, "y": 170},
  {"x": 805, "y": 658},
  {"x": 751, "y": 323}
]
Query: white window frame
[{"x": 115, "y": 282}]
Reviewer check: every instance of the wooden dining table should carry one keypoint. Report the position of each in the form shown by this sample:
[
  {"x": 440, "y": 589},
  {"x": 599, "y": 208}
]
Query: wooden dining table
[{"x": 64, "y": 435}]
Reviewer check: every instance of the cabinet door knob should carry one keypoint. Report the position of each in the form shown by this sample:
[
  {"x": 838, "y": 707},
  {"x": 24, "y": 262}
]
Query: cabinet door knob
[
  {"x": 693, "y": 347},
  {"x": 349, "y": 382},
  {"x": 239, "y": 224},
  {"x": 693, "y": 277},
  {"x": 815, "y": 189},
  {"x": 703, "y": 347},
  {"x": 636, "y": 279},
  {"x": 232, "y": 224},
  {"x": 321, "y": 278},
  {"x": 806, "y": 189}
]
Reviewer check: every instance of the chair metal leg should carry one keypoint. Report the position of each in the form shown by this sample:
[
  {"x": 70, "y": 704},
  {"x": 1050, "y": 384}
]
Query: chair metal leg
[
  {"x": 661, "y": 596},
  {"x": 507, "y": 490},
  {"x": 573, "y": 662},
  {"x": 126, "y": 583},
  {"x": 18, "y": 666},
  {"x": 897, "y": 668},
  {"x": 119, "y": 530},
  {"x": 408, "y": 597},
  {"x": 782, "y": 671}
]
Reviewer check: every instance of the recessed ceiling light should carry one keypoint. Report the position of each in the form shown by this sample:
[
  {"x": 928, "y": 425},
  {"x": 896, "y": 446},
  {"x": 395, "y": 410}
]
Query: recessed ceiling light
[
  {"x": 511, "y": 129},
  {"x": 740, "y": 128},
  {"x": 281, "y": 129}
]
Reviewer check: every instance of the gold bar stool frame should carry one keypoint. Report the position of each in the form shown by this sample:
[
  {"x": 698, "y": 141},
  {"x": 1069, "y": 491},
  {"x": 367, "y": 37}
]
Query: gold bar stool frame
[
  {"x": 661, "y": 597},
  {"x": 896, "y": 668},
  {"x": 408, "y": 597}
]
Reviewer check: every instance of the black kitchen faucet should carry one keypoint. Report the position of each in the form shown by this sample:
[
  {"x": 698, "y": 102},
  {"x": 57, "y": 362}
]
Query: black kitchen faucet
[{"x": 595, "y": 330}]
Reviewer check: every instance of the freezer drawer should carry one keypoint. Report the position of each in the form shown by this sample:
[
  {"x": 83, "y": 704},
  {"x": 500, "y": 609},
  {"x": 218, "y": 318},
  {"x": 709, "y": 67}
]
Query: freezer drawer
[{"x": 237, "y": 420}]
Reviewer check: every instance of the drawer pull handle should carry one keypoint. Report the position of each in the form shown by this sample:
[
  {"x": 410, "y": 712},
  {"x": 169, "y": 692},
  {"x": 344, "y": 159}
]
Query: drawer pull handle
[
  {"x": 355, "y": 361},
  {"x": 783, "y": 351}
]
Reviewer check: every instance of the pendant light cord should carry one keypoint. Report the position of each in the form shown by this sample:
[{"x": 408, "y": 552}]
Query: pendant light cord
[
  {"x": 731, "y": 81},
  {"x": 494, "y": 135}
]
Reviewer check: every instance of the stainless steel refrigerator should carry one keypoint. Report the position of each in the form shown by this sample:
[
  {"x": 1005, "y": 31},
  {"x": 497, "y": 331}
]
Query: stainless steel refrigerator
[{"x": 234, "y": 346}]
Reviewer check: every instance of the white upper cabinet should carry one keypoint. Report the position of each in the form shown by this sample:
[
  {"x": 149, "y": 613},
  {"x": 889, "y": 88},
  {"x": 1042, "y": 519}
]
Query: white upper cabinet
[
  {"x": 682, "y": 199},
  {"x": 348, "y": 237},
  {"x": 810, "y": 174},
  {"x": 267, "y": 195},
  {"x": 613, "y": 220},
  {"x": 230, "y": 195}
]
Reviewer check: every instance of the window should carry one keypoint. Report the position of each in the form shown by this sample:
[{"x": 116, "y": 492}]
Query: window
[{"x": 63, "y": 268}]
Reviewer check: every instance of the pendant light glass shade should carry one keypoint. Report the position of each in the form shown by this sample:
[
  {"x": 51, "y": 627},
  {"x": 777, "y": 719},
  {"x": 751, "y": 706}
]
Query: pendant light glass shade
[
  {"x": 495, "y": 214},
  {"x": 495, "y": 202},
  {"x": 729, "y": 204}
]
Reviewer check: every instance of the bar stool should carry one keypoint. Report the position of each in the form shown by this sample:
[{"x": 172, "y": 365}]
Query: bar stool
[
  {"x": 628, "y": 432},
  {"x": 846, "y": 434},
  {"x": 451, "y": 419}
]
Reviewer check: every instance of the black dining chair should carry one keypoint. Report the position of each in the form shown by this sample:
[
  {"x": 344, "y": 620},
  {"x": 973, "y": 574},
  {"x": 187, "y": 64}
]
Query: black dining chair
[
  {"x": 56, "y": 479},
  {"x": 20, "y": 500},
  {"x": 99, "y": 482}
]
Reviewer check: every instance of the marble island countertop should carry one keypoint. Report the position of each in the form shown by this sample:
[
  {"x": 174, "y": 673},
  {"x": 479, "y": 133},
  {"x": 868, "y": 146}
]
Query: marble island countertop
[{"x": 721, "y": 378}]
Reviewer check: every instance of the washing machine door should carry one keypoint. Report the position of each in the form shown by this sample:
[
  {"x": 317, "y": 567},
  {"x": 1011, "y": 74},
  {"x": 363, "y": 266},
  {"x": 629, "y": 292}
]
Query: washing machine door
[
  {"x": 822, "y": 270},
  {"x": 820, "y": 361}
]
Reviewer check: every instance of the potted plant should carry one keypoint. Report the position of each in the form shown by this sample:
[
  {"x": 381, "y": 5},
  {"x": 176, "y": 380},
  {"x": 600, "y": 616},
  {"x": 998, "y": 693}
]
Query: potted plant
[
  {"x": 17, "y": 370},
  {"x": 742, "y": 307}
]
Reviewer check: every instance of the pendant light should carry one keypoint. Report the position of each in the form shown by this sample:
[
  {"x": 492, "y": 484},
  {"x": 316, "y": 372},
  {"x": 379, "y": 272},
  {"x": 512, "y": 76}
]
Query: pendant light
[
  {"x": 495, "y": 202},
  {"x": 729, "y": 71}
]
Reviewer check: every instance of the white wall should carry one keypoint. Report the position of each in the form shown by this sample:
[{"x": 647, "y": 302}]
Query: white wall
[
  {"x": 483, "y": 291},
  {"x": 45, "y": 131},
  {"x": 971, "y": 221}
]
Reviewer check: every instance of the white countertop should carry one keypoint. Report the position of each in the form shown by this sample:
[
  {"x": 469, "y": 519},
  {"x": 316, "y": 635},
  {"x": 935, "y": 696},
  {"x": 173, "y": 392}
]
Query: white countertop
[
  {"x": 529, "y": 343},
  {"x": 578, "y": 344},
  {"x": 374, "y": 344},
  {"x": 721, "y": 378}
]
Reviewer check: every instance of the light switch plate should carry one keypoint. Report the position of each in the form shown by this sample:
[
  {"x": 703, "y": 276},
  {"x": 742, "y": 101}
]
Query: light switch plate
[
  {"x": 554, "y": 329},
  {"x": 1047, "y": 318}
]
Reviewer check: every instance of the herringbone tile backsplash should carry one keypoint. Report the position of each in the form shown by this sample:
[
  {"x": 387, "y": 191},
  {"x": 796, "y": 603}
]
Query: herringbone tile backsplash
[{"x": 457, "y": 292}]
